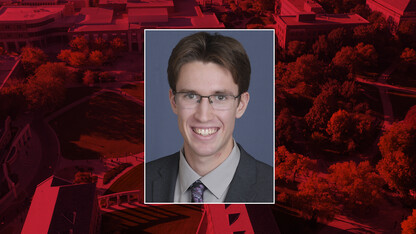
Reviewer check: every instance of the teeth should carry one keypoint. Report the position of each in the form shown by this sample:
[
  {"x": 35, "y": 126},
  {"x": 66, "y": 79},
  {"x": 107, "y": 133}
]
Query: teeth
[{"x": 205, "y": 131}]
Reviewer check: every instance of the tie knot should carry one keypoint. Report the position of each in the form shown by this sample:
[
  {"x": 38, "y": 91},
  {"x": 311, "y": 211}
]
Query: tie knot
[{"x": 197, "y": 191}]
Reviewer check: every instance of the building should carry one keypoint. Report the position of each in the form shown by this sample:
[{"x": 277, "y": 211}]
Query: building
[
  {"x": 99, "y": 22},
  {"x": 59, "y": 206},
  {"x": 308, "y": 27},
  {"x": 395, "y": 11},
  {"x": 294, "y": 7},
  {"x": 33, "y": 25},
  {"x": 126, "y": 19},
  {"x": 237, "y": 218}
]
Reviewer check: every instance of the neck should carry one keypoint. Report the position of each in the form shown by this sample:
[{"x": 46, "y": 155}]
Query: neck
[{"x": 205, "y": 164}]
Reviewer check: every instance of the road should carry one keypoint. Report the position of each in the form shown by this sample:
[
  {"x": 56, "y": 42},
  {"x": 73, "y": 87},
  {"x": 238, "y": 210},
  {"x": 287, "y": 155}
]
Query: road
[{"x": 13, "y": 211}]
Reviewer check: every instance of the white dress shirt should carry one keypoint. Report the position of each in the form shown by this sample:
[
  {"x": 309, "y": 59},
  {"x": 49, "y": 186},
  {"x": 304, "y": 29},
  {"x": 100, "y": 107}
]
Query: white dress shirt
[{"x": 217, "y": 182}]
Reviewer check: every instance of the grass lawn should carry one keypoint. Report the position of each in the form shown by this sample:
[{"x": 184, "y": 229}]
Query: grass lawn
[
  {"x": 76, "y": 93},
  {"x": 401, "y": 103},
  {"x": 105, "y": 126},
  {"x": 135, "y": 90},
  {"x": 153, "y": 219},
  {"x": 132, "y": 180}
]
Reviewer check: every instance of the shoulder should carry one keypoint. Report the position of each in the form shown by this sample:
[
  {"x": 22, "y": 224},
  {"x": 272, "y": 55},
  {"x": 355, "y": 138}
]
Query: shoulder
[
  {"x": 165, "y": 163},
  {"x": 250, "y": 160},
  {"x": 263, "y": 170},
  {"x": 261, "y": 176}
]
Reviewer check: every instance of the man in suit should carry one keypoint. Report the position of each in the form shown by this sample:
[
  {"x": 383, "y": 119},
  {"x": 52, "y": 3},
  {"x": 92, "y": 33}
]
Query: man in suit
[{"x": 209, "y": 76}]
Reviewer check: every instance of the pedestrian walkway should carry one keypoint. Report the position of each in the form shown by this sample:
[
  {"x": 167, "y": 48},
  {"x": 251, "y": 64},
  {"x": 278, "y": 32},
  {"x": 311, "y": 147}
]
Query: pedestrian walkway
[
  {"x": 383, "y": 89},
  {"x": 99, "y": 167},
  {"x": 25, "y": 167}
]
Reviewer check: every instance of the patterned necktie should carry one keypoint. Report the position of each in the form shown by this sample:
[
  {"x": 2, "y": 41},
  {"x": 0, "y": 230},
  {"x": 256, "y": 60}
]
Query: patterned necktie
[{"x": 197, "y": 191}]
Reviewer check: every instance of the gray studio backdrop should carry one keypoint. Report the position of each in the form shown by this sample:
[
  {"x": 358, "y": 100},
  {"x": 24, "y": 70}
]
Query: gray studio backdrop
[{"x": 254, "y": 130}]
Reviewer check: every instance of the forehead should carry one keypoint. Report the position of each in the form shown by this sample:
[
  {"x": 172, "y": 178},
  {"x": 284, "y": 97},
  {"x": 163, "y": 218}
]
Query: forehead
[{"x": 205, "y": 78}]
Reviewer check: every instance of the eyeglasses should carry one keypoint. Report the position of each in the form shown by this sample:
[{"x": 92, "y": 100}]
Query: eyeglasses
[{"x": 189, "y": 100}]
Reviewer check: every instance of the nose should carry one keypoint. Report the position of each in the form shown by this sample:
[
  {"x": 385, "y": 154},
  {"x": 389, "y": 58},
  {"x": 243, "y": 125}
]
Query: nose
[{"x": 204, "y": 111}]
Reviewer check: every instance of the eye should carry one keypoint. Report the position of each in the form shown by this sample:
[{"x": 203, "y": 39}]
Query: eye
[
  {"x": 221, "y": 97},
  {"x": 190, "y": 96}
]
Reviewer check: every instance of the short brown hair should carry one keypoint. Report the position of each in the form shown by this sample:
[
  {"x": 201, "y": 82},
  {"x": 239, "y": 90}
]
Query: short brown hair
[{"x": 222, "y": 50}]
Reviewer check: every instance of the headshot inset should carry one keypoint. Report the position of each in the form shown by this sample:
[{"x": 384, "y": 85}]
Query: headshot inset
[{"x": 209, "y": 116}]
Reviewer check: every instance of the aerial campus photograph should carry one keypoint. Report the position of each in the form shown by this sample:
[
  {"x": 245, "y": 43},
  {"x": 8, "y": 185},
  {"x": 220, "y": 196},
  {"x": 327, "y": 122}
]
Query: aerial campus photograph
[{"x": 72, "y": 116}]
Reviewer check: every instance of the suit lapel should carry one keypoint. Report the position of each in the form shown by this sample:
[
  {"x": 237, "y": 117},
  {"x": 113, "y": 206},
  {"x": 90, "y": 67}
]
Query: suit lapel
[
  {"x": 241, "y": 187},
  {"x": 164, "y": 186}
]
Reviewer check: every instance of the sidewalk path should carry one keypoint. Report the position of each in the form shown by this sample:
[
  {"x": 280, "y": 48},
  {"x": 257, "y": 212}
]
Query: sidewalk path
[
  {"x": 100, "y": 167},
  {"x": 383, "y": 89}
]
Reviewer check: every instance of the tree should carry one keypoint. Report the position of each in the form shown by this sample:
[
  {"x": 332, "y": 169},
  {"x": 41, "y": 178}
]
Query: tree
[
  {"x": 32, "y": 58},
  {"x": 79, "y": 43},
  {"x": 44, "y": 92},
  {"x": 408, "y": 55},
  {"x": 398, "y": 163},
  {"x": 346, "y": 58},
  {"x": 117, "y": 45},
  {"x": 362, "y": 10},
  {"x": 89, "y": 78},
  {"x": 411, "y": 116},
  {"x": 99, "y": 44},
  {"x": 356, "y": 186},
  {"x": 338, "y": 38},
  {"x": 97, "y": 58},
  {"x": 285, "y": 128},
  {"x": 364, "y": 33},
  {"x": 308, "y": 69},
  {"x": 366, "y": 56},
  {"x": 64, "y": 56},
  {"x": 55, "y": 70},
  {"x": 316, "y": 199},
  {"x": 78, "y": 59},
  {"x": 407, "y": 33},
  {"x": 324, "y": 105},
  {"x": 12, "y": 99},
  {"x": 289, "y": 165},
  {"x": 341, "y": 126},
  {"x": 320, "y": 47},
  {"x": 296, "y": 48},
  {"x": 407, "y": 60},
  {"x": 356, "y": 59},
  {"x": 267, "y": 5},
  {"x": 409, "y": 225}
]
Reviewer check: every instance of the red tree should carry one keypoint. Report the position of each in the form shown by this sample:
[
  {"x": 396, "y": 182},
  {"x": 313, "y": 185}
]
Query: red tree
[{"x": 409, "y": 225}]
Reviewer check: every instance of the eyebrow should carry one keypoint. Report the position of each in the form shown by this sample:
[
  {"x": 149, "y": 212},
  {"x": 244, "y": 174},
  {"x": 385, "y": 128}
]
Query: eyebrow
[{"x": 226, "y": 92}]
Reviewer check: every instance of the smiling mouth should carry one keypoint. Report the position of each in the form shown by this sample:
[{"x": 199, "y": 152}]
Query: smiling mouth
[{"x": 205, "y": 131}]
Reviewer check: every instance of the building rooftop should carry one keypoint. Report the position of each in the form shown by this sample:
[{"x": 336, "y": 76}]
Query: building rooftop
[
  {"x": 143, "y": 12},
  {"x": 300, "y": 4},
  {"x": 115, "y": 25},
  {"x": 95, "y": 15},
  {"x": 139, "y": 15},
  {"x": 24, "y": 13},
  {"x": 325, "y": 19},
  {"x": 44, "y": 1},
  {"x": 399, "y": 6},
  {"x": 149, "y": 3},
  {"x": 104, "y": 2},
  {"x": 58, "y": 206}
]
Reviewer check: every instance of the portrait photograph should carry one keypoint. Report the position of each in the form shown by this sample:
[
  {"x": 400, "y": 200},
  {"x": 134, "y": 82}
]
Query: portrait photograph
[{"x": 224, "y": 144}]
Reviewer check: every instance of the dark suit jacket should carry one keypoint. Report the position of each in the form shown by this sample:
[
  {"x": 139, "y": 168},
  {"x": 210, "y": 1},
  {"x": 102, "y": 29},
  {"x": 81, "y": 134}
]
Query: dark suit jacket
[{"x": 252, "y": 182}]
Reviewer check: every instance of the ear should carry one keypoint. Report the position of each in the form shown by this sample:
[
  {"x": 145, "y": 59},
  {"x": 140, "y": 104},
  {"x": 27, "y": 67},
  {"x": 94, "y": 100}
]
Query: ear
[
  {"x": 172, "y": 102},
  {"x": 242, "y": 105}
]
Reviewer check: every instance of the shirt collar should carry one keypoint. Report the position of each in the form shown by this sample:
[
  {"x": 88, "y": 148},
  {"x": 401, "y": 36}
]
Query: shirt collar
[{"x": 217, "y": 181}]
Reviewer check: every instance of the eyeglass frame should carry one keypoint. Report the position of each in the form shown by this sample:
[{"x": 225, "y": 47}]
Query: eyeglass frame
[{"x": 174, "y": 92}]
